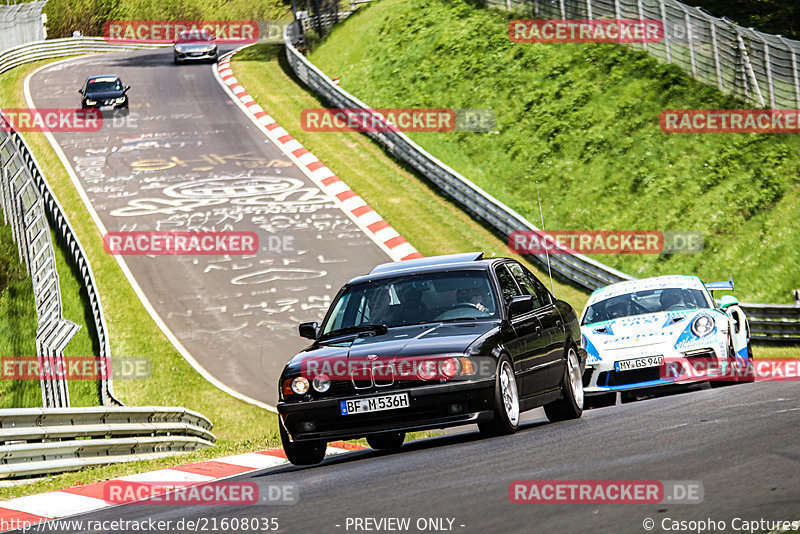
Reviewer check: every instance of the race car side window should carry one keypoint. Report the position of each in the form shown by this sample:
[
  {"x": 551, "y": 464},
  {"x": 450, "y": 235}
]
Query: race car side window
[
  {"x": 508, "y": 287},
  {"x": 527, "y": 285}
]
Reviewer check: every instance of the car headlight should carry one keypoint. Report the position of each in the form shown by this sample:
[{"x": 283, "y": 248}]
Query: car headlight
[
  {"x": 120, "y": 100},
  {"x": 179, "y": 49},
  {"x": 90, "y": 102},
  {"x": 702, "y": 325},
  {"x": 300, "y": 385},
  {"x": 321, "y": 383}
]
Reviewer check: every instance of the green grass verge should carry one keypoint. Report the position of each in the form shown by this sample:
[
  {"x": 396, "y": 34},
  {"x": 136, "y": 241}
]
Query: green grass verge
[
  {"x": 133, "y": 333},
  {"x": 583, "y": 120}
]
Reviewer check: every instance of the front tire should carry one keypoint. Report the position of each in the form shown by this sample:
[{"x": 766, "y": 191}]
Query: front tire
[
  {"x": 506, "y": 402},
  {"x": 302, "y": 452},
  {"x": 570, "y": 406},
  {"x": 386, "y": 441}
]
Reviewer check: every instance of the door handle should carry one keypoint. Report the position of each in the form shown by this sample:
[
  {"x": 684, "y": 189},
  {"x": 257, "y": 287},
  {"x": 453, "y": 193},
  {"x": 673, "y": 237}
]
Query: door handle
[
  {"x": 558, "y": 324},
  {"x": 538, "y": 330}
]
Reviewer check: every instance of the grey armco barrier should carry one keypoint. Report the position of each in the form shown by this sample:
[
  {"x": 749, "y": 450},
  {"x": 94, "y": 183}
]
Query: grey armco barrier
[
  {"x": 27, "y": 53},
  {"x": 36, "y": 441},
  {"x": 768, "y": 321}
]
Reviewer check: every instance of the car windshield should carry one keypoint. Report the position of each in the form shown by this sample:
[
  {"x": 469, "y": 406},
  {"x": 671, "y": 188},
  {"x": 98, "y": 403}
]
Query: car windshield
[
  {"x": 102, "y": 85},
  {"x": 644, "y": 302},
  {"x": 194, "y": 36},
  {"x": 416, "y": 299}
]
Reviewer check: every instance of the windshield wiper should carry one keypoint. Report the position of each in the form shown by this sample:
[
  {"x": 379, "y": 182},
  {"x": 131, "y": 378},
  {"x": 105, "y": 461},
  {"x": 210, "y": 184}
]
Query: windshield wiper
[{"x": 376, "y": 328}]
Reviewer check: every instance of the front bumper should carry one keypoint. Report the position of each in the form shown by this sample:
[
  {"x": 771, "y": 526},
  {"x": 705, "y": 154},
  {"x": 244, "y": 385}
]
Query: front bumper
[
  {"x": 602, "y": 377},
  {"x": 435, "y": 406},
  {"x": 106, "y": 104},
  {"x": 195, "y": 56}
]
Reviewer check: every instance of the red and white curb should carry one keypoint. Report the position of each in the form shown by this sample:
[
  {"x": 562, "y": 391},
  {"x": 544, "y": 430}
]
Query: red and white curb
[
  {"x": 90, "y": 497},
  {"x": 366, "y": 218}
]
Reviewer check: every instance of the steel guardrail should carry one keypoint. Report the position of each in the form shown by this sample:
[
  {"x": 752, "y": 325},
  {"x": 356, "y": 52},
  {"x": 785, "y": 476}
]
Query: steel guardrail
[
  {"x": 35, "y": 51},
  {"x": 37, "y": 441},
  {"x": 781, "y": 324}
]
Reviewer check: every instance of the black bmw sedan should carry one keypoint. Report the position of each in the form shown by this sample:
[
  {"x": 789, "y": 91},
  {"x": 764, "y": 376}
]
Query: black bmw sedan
[
  {"x": 104, "y": 92},
  {"x": 427, "y": 344}
]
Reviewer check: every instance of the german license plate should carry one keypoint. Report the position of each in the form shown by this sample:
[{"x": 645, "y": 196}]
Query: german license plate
[
  {"x": 639, "y": 363},
  {"x": 374, "y": 404}
]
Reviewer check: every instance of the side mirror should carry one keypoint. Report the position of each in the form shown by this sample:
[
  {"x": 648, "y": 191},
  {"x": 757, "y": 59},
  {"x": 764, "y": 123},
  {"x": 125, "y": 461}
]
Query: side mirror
[
  {"x": 127, "y": 87},
  {"x": 309, "y": 330},
  {"x": 727, "y": 301},
  {"x": 80, "y": 91},
  {"x": 519, "y": 305}
]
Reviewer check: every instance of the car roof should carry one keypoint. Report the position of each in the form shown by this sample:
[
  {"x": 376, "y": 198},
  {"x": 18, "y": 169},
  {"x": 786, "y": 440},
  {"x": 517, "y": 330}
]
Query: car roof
[
  {"x": 115, "y": 76},
  {"x": 430, "y": 264},
  {"x": 644, "y": 284}
]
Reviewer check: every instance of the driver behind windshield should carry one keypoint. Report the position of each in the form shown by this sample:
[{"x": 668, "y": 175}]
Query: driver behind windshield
[{"x": 472, "y": 296}]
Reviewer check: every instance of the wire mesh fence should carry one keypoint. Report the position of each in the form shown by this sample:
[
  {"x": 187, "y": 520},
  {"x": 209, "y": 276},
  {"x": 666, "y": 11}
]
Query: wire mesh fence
[
  {"x": 24, "y": 209},
  {"x": 760, "y": 68},
  {"x": 21, "y": 23}
]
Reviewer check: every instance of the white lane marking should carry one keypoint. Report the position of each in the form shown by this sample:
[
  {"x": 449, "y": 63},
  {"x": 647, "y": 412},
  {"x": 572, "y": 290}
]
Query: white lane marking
[
  {"x": 252, "y": 460},
  {"x": 55, "y": 504}
]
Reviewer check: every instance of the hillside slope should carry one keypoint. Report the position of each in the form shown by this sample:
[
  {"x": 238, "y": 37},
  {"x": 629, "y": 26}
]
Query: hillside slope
[{"x": 583, "y": 121}]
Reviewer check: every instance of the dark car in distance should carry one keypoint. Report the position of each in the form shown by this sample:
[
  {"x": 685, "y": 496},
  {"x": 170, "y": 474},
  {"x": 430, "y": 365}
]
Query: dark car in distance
[
  {"x": 104, "y": 92},
  {"x": 431, "y": 343}
]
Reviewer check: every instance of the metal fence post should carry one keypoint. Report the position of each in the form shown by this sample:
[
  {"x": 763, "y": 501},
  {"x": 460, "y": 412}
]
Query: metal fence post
[
  {"x": 563, "y": 10},
  {"x": 749, "y": 68},
  {"x": 715, "y": 47},
  {"x": 664, "y": 23},
  {"x": 795, "y": 74},
  {"x": 769, "y": 75},
  {"x": 589, "y": 9},
  {"x": 641, "y": 17},
  {"x": 690, "y": 38},
  {"x": 616, "y": 9}
]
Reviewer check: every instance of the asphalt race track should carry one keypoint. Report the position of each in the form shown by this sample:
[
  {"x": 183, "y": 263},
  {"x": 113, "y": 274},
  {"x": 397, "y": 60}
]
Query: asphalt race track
[
  {"x": 740, "y": 442},
  {"x": 188, "y": 159}
]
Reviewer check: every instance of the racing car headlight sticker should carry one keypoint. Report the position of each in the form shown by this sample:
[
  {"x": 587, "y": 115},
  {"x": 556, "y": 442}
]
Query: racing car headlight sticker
[
  {"x": 120, "y": 100},
  {"x": 702, "y": 325},
  {"x": 90, "y": 102}
]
